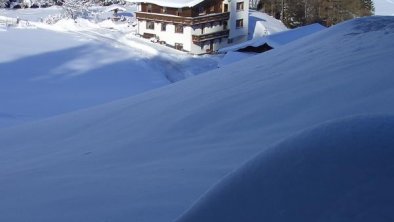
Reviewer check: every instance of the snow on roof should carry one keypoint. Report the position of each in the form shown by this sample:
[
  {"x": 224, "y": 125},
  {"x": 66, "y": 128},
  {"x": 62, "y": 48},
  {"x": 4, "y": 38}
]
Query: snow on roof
[
  {"x": 114, "y": 7},
  {"x": 170, "y": 3},
  {"x": 280, "y": 38}
]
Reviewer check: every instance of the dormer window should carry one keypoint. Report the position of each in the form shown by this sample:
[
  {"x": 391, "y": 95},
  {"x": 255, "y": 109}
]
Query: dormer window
[{"x": 179, "y": 12}]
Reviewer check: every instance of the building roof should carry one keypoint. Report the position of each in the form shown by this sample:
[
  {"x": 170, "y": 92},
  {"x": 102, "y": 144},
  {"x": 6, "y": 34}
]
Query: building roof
[
  {"x": 170, "y": 3},
  {"x": 279, "y": 38}
]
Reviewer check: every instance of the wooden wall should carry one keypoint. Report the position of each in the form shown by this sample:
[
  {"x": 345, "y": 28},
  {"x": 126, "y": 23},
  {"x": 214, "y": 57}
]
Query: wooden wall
[{"x": 207, "y": 7}]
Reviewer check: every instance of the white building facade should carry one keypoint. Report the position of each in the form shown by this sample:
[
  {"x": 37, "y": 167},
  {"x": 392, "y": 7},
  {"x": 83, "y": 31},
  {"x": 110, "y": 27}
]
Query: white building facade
[{"x": 195, "y": 26}]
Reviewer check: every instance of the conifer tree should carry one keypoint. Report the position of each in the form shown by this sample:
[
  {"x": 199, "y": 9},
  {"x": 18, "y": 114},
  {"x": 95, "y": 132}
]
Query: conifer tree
[{"x": 328, "y": 12}]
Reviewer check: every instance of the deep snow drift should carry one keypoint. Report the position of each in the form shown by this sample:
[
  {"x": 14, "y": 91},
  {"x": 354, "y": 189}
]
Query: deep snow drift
[
  {"x": 339, "y": 171},
  {"x": 149, "y": 157}
]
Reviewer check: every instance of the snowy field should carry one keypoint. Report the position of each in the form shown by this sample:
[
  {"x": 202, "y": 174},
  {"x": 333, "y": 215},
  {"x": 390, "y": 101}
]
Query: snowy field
[
  {"x": 152, "y": 156},
  {"x": 46, "y": 70},
  {"x": 51, "y": 69}
]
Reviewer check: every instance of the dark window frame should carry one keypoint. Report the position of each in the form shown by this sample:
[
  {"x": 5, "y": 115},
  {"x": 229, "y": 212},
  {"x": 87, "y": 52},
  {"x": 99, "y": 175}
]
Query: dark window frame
[
  {"x": 178, "y": 28},
  {"x": 163, "y": 27},
  {"x": 239, "y": 23},
  {"x": 150, "y": 25},
  {"x": 240, "y": 6}
]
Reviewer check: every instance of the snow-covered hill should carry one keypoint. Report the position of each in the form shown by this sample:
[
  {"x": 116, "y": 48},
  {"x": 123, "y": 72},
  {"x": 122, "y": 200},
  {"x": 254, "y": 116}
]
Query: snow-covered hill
[
  {"x": 47, "y": 70},
  {"x": 340, "y": 171},
  {"x": 149, "y": 157}
]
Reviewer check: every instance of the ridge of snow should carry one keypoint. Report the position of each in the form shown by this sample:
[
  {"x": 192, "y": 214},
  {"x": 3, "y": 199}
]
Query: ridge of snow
[{"x": 338, "y": 171}]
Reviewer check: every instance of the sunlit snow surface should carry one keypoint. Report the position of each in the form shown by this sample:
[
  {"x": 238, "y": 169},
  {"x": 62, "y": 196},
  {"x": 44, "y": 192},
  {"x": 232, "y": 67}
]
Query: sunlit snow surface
[
  {"x": 47, "y": 70},
  {"x": 150, "y": 157},
  {"x": 342, "y": 170}
]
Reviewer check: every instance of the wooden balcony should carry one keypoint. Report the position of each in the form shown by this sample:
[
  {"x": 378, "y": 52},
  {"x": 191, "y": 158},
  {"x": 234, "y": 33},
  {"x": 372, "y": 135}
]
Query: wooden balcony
[
  {"x": 210, "y": 36},
  {"x": 183, "y": 20}
]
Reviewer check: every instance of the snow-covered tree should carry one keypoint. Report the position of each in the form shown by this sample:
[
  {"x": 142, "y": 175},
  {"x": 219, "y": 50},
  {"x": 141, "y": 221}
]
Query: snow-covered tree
[
  {"x": 4, "y": 3},
  {"x": 76, "y": 8},
  {"x": 26, "y": 3}
]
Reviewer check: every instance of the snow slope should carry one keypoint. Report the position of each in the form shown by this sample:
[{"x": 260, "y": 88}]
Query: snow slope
[
  {"x": 48, "y": 70},
  {"x": 339, "y": 171},
  {"x": 149, "y": 157},
  {"x": 64, "y": 73}
]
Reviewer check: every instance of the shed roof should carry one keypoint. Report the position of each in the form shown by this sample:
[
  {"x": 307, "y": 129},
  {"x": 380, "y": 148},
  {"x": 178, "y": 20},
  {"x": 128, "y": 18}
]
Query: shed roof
[{"x": 170, "y": 3}]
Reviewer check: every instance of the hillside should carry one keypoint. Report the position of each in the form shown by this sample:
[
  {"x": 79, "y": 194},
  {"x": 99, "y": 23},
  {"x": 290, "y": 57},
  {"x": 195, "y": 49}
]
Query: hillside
[
  {"x": 149, "y": 157},
  {"x": 51, "y": 69}
]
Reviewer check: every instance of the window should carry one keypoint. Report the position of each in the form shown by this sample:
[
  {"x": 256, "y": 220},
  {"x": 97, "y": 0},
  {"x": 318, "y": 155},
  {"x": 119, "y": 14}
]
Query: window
[
  {"x": 179, "y": 46},
  {"x": 178, "y": 28},
  {"x": 201, "y": 10},
  {"x": 149, "y": 8},
  {"x": 240, "y": 6},
  {"x": 225, "y": 8},
  {"x": 163, "y": 27},
  {"x": 212, "y": 8},
  {"x": 150, "y": 25},
  {"x": 239, "y": 23},
  {"x": 179, "y": 12},
  {"x": 164, "y": 10}
]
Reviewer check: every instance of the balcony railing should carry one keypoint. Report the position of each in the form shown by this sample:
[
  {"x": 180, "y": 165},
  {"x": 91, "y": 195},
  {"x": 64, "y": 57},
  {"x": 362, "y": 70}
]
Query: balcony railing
[
  {"x": 210, "y": 36},
  {"x": 183, "y": 20}
]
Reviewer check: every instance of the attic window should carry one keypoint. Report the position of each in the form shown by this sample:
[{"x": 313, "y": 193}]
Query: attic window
[{"x": 179, "y": 12}]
